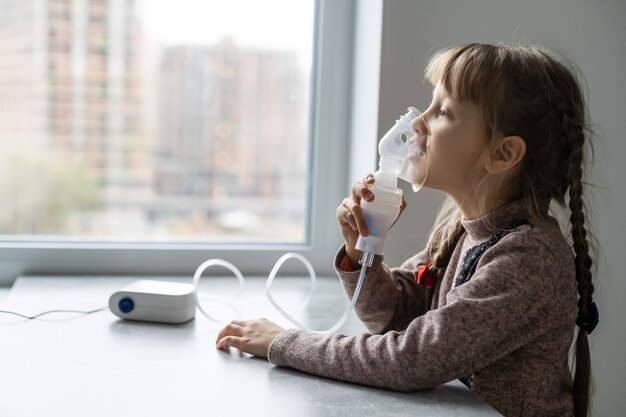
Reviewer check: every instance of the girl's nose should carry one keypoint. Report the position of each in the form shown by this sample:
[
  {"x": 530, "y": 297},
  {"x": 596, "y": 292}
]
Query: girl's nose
[{"x": 419, "y": 127}]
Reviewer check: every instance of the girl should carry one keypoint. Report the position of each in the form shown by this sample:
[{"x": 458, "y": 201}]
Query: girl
[{"x": 495, "y": 296}]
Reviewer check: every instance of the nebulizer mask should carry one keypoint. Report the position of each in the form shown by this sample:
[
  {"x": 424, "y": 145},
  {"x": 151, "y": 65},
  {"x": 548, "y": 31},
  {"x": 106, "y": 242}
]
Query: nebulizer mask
[{"x": 402, "y": 156}]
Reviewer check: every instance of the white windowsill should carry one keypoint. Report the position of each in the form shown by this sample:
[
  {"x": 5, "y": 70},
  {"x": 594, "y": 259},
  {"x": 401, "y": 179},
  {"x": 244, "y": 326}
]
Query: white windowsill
[{"x": 4, "y": 291}]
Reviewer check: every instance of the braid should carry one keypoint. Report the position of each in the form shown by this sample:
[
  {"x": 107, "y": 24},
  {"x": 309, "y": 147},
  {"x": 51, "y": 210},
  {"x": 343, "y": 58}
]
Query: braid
[
  {"x": 581, "y": 247},
  {"x": 444, "y": 246},
  {"x": 583, "y": 263}
]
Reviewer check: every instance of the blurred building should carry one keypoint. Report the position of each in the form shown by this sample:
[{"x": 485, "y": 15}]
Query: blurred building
[
  {"x": 211, "y": 138},
  {"x": 233, "y": 131},
  {"x": 70, "y": 85}
]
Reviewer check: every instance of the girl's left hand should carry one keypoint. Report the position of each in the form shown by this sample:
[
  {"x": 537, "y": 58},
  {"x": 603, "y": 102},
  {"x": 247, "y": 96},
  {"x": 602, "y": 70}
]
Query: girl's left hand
[{"x": 252, "y": 336}]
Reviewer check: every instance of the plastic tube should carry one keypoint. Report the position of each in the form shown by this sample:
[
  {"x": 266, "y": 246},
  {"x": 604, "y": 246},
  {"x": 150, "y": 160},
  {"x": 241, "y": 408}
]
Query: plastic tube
[
  {"x": 366, "y": 261},
  {"x": 196, "y": 278}
]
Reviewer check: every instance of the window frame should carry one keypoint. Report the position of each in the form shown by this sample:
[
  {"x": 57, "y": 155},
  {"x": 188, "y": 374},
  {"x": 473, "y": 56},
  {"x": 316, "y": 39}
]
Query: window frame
[{"x": 330, "y": 133}]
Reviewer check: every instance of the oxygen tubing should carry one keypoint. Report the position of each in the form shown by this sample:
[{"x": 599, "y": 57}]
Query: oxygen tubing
[{"x": 366, "y": 261}]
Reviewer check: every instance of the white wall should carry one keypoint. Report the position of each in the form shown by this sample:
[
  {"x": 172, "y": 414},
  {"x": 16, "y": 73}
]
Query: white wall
[{"x": 592, "y": 34}]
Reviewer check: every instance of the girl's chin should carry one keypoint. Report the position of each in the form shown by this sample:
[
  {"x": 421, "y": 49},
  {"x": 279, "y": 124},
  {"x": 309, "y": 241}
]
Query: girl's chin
[
  {"x": 415, "y": 178},
  {"x": 417, "y": 169}
]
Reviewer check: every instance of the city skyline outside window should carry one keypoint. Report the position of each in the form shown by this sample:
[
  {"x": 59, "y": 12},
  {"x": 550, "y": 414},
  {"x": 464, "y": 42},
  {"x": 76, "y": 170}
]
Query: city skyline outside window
[{"x": 155, "y": 120}]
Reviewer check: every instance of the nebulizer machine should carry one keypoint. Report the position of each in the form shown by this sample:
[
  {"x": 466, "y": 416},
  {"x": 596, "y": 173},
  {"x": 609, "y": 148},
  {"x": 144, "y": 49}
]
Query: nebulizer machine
[{"x": 402, "y": 156}]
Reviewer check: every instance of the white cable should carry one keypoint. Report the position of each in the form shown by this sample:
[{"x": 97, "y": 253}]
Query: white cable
[
  {"x": 270, "y": 280},
  {"x": 366, "y": 259},
  {"x": 36, "y": 316},
  {"x": 196, "y": 278}
]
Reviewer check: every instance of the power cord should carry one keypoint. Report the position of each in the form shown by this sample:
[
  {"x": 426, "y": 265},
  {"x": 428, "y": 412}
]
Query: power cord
[{"x": 53, "y": 311}]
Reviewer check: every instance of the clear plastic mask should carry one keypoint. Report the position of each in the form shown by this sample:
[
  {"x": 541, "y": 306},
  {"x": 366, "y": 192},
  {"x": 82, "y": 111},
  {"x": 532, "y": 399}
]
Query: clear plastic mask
[{"x": 403, "y": 153}]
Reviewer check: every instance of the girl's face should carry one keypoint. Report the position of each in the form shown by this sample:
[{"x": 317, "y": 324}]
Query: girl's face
[{"x": 456, "y": 147}]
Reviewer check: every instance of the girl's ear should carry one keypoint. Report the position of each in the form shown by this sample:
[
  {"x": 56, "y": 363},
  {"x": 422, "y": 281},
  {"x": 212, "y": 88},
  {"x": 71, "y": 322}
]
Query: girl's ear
[{"x": 506, "y": 153}]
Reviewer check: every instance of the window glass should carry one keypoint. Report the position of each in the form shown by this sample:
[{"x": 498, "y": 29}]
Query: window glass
[{"x": 156, "y": 120}]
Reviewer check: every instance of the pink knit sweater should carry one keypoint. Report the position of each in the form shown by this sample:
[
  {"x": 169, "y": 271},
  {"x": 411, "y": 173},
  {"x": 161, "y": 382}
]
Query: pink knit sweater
[{"x": 509, "y": 328}]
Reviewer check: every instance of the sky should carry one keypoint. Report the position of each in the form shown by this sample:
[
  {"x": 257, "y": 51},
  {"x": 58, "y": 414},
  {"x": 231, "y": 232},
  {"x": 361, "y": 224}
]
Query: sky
[{"x": 274, "y": 24}]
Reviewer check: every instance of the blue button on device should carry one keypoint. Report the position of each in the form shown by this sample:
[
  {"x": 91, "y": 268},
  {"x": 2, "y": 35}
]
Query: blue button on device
[{"x": 126, "y": 305}]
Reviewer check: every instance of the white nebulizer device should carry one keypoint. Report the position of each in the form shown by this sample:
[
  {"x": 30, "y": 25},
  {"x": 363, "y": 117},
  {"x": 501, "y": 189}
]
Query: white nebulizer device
[
  {"x": 402, "y": 156},
  {"x": 157, "y": 301},
  {"x": 400, "y": 152}
]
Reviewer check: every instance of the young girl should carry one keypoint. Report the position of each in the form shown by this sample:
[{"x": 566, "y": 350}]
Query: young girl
[{"x": 494, "y": 297}]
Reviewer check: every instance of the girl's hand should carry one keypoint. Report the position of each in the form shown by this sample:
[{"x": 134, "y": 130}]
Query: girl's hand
[
  {"x": 351, "y": 218},
  {"x": 252, "y": 336}
]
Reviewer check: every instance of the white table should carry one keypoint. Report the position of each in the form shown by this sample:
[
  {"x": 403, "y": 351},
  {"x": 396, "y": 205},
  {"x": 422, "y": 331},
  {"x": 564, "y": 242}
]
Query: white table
[{"x": 98, "y": 365}]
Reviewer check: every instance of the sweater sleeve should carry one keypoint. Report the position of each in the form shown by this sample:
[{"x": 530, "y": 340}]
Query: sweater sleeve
[
  {"x": 509, "y": 301},
  {"x": 390, "y": 298}
]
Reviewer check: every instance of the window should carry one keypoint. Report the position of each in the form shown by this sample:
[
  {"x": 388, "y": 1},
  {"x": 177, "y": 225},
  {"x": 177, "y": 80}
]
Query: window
[{"x": 143, "y": 137}]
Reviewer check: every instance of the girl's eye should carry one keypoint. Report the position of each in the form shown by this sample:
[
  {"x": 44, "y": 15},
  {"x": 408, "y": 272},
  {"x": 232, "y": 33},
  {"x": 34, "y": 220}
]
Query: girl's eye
[{"x": 442, "y": 113}]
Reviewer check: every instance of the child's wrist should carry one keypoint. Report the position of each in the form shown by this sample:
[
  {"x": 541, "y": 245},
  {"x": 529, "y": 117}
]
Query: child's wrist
[{"x": 352, "y": 259}]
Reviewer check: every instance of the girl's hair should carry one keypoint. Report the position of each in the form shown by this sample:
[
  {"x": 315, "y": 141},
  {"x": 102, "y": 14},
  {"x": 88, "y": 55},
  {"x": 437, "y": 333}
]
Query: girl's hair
[{"x": 526, "y": 91}]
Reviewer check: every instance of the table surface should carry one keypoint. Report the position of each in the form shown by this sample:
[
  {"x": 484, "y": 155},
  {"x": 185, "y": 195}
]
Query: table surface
[{"x": 99, "y": 365}]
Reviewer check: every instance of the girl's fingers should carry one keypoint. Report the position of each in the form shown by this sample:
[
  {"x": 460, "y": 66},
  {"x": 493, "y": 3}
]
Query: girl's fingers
[
  {"x": 346, "y": 219},
  {"x": 369, "y": 179},
  {"x": 254, "y": 337},
  {"x": 234, "y": 328},
  {"x": 356, "y": 218},
  {"x": 232, "y": 341},
  {"x": 349, "y": 214},
  {"x": 360, "y": 190}
]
